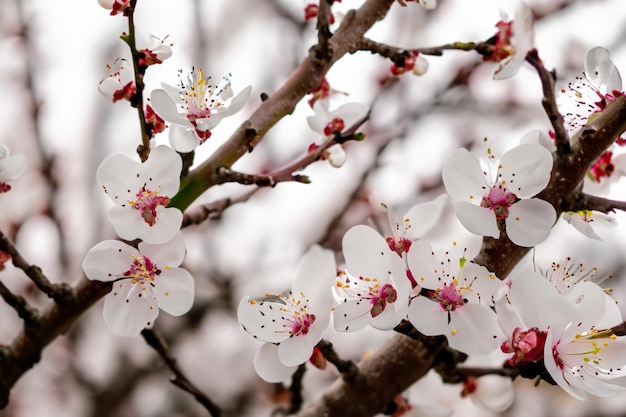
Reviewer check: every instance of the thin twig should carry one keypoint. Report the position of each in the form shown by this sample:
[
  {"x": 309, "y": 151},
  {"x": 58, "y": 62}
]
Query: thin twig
[
  {"x": 21, "y": 307},
  {"x": 349, "y": 371},
  {"x": 214, "y": 210},
  {"x": 180, "y": 380}
]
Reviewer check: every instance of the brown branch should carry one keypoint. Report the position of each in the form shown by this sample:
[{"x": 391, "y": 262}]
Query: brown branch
[
  {"x": 61, "y": 293},
  {"x": 156, "y": 341},
  {"x": 349, "y": 371},
  {"x": 592, "y": 202},
  {"x": 214, "y": 210},
  {"x": 21, "y": 307}
]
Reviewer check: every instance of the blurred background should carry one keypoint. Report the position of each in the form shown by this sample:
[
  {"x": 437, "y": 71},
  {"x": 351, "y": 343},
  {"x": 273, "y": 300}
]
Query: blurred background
[{"x": 55, "y": 53}]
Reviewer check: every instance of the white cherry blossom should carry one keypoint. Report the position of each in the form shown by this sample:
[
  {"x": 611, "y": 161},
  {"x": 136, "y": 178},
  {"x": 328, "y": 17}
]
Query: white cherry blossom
[
  {"x": 326, "y": 121},
  {"x": 483, "y": 204},
  {"x": 141, "y": 192},
  {"x": 144, "y": 280},
  {"x": 456, "y": 299},
  {"x": 586, "y": 222},
  {"x": 11, "y": 168},
  {"x": 120, "y": 83},
  {"x": 374, "y": 289},
  {"x": 513, "y": 42},
  {"x": 291, "y": 324},
  {"x": 196, "y": 106}
]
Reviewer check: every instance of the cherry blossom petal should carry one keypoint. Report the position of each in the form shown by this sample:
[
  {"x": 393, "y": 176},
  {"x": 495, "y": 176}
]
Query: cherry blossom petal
[
  {"x": 474, "y": 329},
  {"x": 268, "y": 366},
  {"x": 236, "y": 104},
  {"x": 174, "y": 290},
  {"x": 493, "y": 393},
  {"x": 257, "y": 319},
  {"x": 162, "y": 170},
  {"x": 523, "y": 40},
  {"x": 390, "y": 316},
  {"x": 428, "y": 317},
  {"x": 11, "y": 167},
  {"x": 478, "y": 220},
  {"x": 539, "y": 137},
  {"x": 108, "y": 260},
  {"x": 296, "y": 350},
  {"x": 129, "y": 224},
  {"x": 318, "y": 122},
  {"x": 128, "y": 309},
  {"x": 423, "y": 264},
  {"x": 530, "y": 221},
  {"x": 118, "y": 176},
  {"x": 423, "y": 217},
  {"x": 183, "y": 139},
  {"x": 352, "y": 315},
  {"x": 163, "y": 104},
  {"x": 365, "y": 252},
  {"x": 463, "y": 178},
  {"x": 526, "y": 169},
  {"x": 351, "y": 113},
  {"x": 169, "y": 254},
  {"x": 600, "y": 70}
]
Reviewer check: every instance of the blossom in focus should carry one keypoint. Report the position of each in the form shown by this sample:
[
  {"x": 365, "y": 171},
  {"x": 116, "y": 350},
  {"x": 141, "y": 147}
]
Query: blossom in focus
[
  {"x": 11, "y": 168},
  {"x": 141, "y": 192},
  {"x": 144, "y": 280},
  {"x": 157, "y": 52},
  {"x": 116, "y": 6},
  {"x": 565, "y": 275},
  {"x": 120, "y": 83},
  {"x": 456, "y": 299},
  {"x": 586, "y": 221},
  {"x": 483, "y": 205},
  {"x": 587, "y": 96},
  {"x": 513, "y": 41},
  {"x": 195, "y": 107},
  {"x": 374, "y": 288},
  {"x": 291, "y": 325}
]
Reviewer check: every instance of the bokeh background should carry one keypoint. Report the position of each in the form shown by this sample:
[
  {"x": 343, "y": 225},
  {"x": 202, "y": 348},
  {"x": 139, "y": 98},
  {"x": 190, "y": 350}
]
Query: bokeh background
[{"x": 52, "y": 56}]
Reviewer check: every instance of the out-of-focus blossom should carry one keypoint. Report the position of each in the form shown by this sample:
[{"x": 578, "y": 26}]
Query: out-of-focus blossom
[
  {"x": 426, "y": 4},
  {"x": 483, "y": 205},
  {"x": 291, "y": 325},
  {"x": 141, "y": 192},
  {"x": 565, "y": 275},
  {"x": 120, "y": 83},
  {"x": 195, "y": 107},
  {"x": 11, "y": 168},
  {"x": 586, "y": 221},
  {"x": 413, "y": 61},
  {"x": 116, "y": 6},
  {"x": 493, "y": 393},
  {"x": 374, "y": 288},
  {"x": 155, "y": 122},
  {"x": 144, "y": 280},
  {"x": 513, "y": 41},
  {"x": 456, "y": 299},
  {"x": 328, "y": 122}
]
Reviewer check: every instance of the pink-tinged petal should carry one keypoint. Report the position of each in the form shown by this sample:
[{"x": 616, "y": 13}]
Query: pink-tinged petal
[
  {"x": 600, "y": 70},
  {"x": 526, "y": 169},
  {"x": 463, "y": 177},
  {"x": 162, "y": 171},
  {"x": 183, "y": 139},
  {"x": 523, "y": 39},
  {"x": 168, "y": 254},
  {"x": 554, "y": 370},
  {"x": 474, "y": 330},
  {"x": 236, "y": 104},
  {"x": 391, "y": 315},
  {"x": 352, "y": 315},
  {"x": 428, "y": 317},
  {"x": 268, "y": 366},
  {"x": 119, "y": 177},
  {"x": 296, "y": 350},
  {"x": 128, "y": 309},
  {"x": 530, "y": 221},
  {"x": 423, "y": 217},
  {"x": 163, "y": 104},
  {"x": 108, "y": 260},
  {"x": 174, "y": 290},
  {"x": 365, "y": 252},
  {"x": 478, "y": 220},
  {"x": 262, "y": 320},
  {"x": 423, "y": 264},
  {"x": 494, "y": 393}
]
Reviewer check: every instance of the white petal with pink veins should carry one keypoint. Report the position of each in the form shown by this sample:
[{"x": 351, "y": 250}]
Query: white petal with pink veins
[
  {"x": 530, "y": 221},
  {"x": 463, "y": 177}
]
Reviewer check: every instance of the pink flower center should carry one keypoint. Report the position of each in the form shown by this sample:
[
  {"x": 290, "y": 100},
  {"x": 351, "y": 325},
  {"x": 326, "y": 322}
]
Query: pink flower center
[
  {"x": 382, "y": 296},
  {"x": 526, "y": 346},
  {"x": 4, "y": 187},
  {"x": 142, "y": 269},
  {"x": 503, "y": 47},
  {"x": 399, "y": 245},
  {"x": 335, "y": 125},
  {"x": 499, "y": 200},
  {"x": 603, "y": 167},
  {"x": 147, "y": 202},
  {"x": 301, "y": 324},
  {"x": 449, "y": 297},
  {"x": 366, "y": 288}
]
